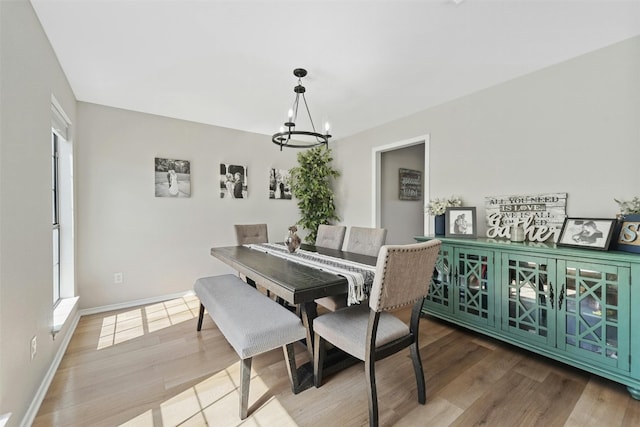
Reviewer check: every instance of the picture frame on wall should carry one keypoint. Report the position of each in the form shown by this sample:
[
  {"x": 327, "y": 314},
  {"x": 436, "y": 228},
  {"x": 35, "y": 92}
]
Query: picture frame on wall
[
  {"x": 587, "y": 233},
  {"x": 461, "y": 222},
  {"x": 410, "y": 184}
]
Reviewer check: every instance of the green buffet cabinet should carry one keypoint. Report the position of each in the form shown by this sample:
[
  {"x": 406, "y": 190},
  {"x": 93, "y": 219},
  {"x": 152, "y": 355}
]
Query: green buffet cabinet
[{"x": 578, "y": 306}]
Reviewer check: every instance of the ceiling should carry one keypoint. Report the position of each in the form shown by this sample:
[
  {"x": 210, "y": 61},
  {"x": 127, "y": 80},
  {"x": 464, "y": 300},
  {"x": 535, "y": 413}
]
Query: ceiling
[{"x": 230, "y": 63}]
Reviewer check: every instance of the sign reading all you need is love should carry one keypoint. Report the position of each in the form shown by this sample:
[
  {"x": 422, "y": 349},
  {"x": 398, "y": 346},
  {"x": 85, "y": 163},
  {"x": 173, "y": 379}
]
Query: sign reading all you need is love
[{"x": 540, "y": 215}]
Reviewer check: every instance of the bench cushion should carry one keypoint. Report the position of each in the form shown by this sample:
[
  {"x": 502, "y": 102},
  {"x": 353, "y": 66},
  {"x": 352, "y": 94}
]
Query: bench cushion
[{"x": 249, "y": 320}]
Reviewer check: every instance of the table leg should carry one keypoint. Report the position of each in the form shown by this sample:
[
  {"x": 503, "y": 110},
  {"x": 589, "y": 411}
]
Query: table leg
[{"x": 308, "y": 312}]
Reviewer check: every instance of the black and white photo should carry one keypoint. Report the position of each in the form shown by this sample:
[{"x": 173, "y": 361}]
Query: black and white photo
[
  {"x": 591, "y": 233},
  {"x": 172, "y": 178},
  {"x": 279, "y": 184},
  {"x": 233, "y": 181},
  {"x": 460, "y": 222}
]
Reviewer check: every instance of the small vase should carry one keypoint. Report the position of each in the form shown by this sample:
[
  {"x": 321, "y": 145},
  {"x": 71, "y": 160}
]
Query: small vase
[
  {"x": 439, "y": 225},
  {"x": 292, "y": 240}
]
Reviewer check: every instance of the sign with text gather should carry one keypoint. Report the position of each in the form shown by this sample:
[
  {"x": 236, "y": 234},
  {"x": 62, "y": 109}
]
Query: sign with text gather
[{"x": 541, "y": 215}]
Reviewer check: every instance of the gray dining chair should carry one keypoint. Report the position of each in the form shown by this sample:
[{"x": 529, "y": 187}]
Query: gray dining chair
[
  {"x": 371, "y": 333},
  {"x": 251, "y": 233},
  {"x": 330, "y": 236},
  {"x": 362, "y": 240}
]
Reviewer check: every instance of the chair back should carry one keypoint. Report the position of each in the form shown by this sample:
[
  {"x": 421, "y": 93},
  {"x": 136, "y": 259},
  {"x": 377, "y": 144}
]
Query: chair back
[
  {"x": 403, "y": 274},
  {"x": 330, "y": 236},
  {"x": 366, "y": 241},
  {"x": 251, "y": 233}
]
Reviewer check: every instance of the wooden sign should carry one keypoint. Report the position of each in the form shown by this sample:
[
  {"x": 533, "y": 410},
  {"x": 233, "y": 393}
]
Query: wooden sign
[
  {"x": 410, "y": 184},
  {"x": 542, "y": 215}
]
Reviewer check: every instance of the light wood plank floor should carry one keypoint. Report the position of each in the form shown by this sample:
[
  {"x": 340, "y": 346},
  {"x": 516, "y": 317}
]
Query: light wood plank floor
[{"x": 147, "y": 366}]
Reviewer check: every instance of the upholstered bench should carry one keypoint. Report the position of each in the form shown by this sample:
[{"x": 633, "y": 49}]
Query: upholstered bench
[{"x": 252, "y": 323}]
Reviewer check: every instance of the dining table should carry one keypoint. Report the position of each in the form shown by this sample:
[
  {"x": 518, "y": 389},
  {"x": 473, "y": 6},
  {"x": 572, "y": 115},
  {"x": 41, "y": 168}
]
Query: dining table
[{"x": 296, "y": 283}]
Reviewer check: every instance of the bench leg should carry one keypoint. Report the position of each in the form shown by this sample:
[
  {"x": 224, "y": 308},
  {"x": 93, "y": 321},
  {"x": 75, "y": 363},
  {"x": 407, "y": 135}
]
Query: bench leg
[
  {"x": 200, "y": 317},
  {"x": 245, "y": 377}
]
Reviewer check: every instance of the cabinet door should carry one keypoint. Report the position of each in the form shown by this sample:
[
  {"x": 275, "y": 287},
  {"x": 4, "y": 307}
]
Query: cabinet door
[
  {"x": 593, "y": 319},
  {"x": 474, "y": 280},
  {"x": 438, "y": 299},
  {"x": 528, "y": 297}
]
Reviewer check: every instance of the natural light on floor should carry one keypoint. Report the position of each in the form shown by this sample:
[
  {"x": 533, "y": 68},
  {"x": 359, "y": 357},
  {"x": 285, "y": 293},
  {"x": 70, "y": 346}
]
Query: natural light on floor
[
  {"x": 215, "y": 402},
  {"x": 137, "y": 322}
]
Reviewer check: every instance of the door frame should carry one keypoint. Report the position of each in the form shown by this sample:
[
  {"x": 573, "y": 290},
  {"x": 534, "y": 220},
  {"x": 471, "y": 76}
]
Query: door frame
[{"x": 377, "y": 178}]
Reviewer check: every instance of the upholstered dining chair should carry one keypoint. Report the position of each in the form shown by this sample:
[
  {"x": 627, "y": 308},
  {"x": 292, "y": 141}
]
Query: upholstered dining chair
[
  {"x": 403, "y": 275},
  {"x": 330, "y": 236},
  {"x": 362, "y": 240},
  {"x": 251, "y": 233},
  {"x": 366, "y": 241}
]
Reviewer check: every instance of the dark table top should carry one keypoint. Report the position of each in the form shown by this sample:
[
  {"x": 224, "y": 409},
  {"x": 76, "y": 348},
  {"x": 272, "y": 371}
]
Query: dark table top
[{"x": 294, "y": 282}]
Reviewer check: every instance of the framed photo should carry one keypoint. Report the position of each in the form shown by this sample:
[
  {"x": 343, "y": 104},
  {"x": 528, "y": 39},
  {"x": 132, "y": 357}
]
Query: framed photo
[
  {"x": 460, "y": 222},
  {"x": 589, "y": 233},
  {"x": 410, "y": 184},
  {"x": 172, "y": 177}
]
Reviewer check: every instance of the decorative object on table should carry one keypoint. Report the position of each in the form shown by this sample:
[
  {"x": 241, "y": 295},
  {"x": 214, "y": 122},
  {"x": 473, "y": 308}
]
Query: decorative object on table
[
  {"x": 517, "y": 232},
  {"x": 291, "y": 137},
  {"x": 311, "y": 186},
  {"x": 233, "y": 182},
  {"x": 460, "y": 222},
  {"x": 627, "y": 234},
  {"x": 437, "y": 208},
  {"x": 541, "y": 215},
  {"x": 280, "y": 184},
  {"x": 292, "y": 240},
  {"x": 410, "y": 184},
  {"x": 589, "y": 233},
  {"x": 173, "y": 178}
]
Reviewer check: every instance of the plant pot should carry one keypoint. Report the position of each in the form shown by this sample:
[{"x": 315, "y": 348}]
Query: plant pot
[{"x": 439, "y": 225}]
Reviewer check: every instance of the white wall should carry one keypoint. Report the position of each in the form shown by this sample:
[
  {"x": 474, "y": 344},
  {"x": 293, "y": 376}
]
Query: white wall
[
  {"x": 162, "y": 244},
  {"x": 29, "y": 75},
  {"x": 403, "y": 219},
  {"x": 573, "y": 127}
]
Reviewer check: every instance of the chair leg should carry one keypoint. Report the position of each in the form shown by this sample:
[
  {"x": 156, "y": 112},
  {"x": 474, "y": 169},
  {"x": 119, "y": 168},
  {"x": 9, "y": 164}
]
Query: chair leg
[
  {"x": 370, "y": 371},
  {"x": 245, "y": 377},
  {"x": 200, "y": 317},
  {"x": 417, "y": 367},
  {"x": 319, "y": 352}
]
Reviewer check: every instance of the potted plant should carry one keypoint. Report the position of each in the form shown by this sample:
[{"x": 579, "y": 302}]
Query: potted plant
[
  {"x": 437, "y": 207},
  {"x": 311, "y": 186},
  {"x": 629, "y": 207}
]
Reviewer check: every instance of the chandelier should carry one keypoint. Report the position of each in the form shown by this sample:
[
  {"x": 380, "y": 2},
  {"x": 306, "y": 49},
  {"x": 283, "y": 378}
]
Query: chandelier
[{"x": 288, "y": 135}]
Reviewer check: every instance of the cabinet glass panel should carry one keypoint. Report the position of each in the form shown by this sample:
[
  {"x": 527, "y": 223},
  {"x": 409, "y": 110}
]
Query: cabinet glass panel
[
  {"x": 591, "y": 310},
  {"x": 472, "y": 272},
  {"x": 527, "y": 303},
  {"x": 438, "y": 297}
]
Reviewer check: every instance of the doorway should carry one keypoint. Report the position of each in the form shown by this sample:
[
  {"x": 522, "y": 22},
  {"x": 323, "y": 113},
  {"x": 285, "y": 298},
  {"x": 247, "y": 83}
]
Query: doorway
[{"x": 403, "y": 219}]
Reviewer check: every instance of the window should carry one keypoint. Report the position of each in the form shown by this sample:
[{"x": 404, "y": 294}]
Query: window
[{"x": 55, "y": 215}]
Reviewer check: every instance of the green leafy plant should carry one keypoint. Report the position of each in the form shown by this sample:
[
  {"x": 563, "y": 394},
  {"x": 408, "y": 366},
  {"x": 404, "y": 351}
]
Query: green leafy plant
[
  {"x": 311, "y": 186},
  {"x": 629, "y": 207}
]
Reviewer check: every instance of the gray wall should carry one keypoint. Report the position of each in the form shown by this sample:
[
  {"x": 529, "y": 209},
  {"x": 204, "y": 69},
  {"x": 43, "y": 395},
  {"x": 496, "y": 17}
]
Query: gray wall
[
  {"x": 29, "y": 75},
  {"x": 403, "y": 219},
  {"x": 573, "y": 127},
  {"x": 162, "y": 244}
]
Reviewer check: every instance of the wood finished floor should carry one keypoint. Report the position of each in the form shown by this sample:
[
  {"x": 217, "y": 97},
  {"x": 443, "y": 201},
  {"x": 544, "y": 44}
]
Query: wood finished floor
[{"x": 147, "y": 366}]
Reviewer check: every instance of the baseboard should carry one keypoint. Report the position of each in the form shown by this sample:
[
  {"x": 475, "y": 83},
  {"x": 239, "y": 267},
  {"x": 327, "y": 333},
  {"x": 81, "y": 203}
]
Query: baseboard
[
  {"x": 31, "y": 413},
  {"x": 130, "y": 304}
]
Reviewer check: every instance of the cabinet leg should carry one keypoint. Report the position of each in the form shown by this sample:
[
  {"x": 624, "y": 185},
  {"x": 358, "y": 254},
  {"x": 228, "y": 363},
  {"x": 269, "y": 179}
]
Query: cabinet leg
[{"x": 634, "y": 392}]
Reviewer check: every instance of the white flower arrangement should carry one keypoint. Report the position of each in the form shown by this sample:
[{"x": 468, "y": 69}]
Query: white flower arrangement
[
  {"x": 629, "y": 207},
  {"x": 439, "y": 206}
]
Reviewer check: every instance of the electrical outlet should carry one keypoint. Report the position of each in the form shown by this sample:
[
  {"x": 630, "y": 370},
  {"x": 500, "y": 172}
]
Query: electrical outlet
[
  {"x": 118, "y": 278},
  {"x": 34, "y": 346}
]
